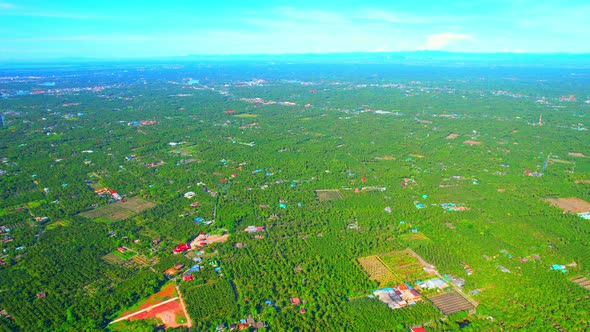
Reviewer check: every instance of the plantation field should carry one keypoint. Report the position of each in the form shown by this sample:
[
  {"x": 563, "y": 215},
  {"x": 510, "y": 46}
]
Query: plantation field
[
  {"x": 378, "y": 271},
  {"x": 141, "y": 261},
  {"x": 119, "y": 210},
  {"x": 405, "y": 265},
  {"x": 582, "y": 282},
  {"x": 328, "y": 195},
  {"x": 209, "y": 301},
  {"x": 450, "y": 302},
  {"x": 113, "y": 259}
]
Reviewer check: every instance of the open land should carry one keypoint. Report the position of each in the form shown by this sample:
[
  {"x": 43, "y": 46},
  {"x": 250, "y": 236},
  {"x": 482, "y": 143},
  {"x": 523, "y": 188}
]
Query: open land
[
  {"x": 119, "y": 210},
  {"x": 571, "y": 204}
]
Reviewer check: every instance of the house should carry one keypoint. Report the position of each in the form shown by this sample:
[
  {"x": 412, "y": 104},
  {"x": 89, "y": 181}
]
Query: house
[
  {"x": 41, "y": 295},
  {"x": 170, "y": 272},
  {"x": 459, "y": 282},
  {"x": 189, "y": 194},
  {"x": 557, "y": 267},
  {"x": 122, "y": 249},
  {"x": 254, "y": 229},
  {"x": 115, "y": 195},
  {"x": 188, "y": 278},
  {"x": 418, "y": 329},
  {"x": 295, "y": 301},
  {"x": 181, "y": 248},
  {"x": 433, "y": 283}
]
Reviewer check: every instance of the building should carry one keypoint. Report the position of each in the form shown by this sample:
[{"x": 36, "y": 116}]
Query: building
[{"x": 181, "y": 248}]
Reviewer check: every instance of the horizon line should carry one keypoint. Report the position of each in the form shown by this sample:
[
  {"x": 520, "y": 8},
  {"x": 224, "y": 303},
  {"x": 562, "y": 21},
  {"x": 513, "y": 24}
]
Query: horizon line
[{"x": 270, "y": 55}]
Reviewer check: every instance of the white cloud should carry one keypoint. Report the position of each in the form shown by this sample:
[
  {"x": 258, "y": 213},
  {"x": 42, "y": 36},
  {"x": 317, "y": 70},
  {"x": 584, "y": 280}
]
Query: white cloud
[
  {"x": 6, "y": 5},
  {"x": 441, "y": 40}
]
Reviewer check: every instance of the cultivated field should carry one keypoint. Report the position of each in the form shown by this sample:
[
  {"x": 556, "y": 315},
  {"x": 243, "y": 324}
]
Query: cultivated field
[
  {"x": 328, "y": 195},
  {"x": 405, "y": 265},
  {"x": 378, "y": 271},
  {"x": 582, "y": 282},
  {"x": 141, "y": 261},
  {"x": 450, "y": 303},
  {"x": 113, "y": 259},
  {"x": 119, "y": 210}
]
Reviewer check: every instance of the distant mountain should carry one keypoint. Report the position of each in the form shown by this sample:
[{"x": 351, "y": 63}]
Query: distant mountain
[{"x": 428, "y": 58}]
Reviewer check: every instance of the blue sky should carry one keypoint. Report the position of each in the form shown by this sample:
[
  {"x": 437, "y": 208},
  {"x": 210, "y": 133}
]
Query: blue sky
[{"x": 37, "y": 29}]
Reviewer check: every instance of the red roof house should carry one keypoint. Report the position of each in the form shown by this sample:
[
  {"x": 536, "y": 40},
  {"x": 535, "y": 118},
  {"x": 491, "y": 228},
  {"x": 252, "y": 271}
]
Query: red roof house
[
  {"x": 181, "y": 248},
  {"x": 295, "y": 301},
  {"x": 188, "y": 278}
]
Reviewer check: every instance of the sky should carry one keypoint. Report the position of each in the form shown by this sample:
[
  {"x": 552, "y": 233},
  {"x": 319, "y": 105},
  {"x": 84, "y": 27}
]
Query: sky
[{"x": 41, "y": 29}]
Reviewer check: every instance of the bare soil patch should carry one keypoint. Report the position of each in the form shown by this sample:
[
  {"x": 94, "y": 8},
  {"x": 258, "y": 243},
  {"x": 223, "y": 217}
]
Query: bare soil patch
[
  {"x": 167, "y": 313},
  {"x": 452, "y": 136},
  {"x": 470, "y": 142},
  {"x": 571, "y": 204},
  {"x": 217, "y": 238},
  {"x": 576, "y": 154}
]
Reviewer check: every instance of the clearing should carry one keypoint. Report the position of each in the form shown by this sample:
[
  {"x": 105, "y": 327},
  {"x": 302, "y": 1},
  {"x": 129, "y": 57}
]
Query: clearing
[
  {"x": 470, "y": 142},
  {"x": 378, "y": 271},
  {"x": 450, "y": 303},
  {"x": 452, "y": 136},
  {"x": 328, "y": 194},
  {"x": 404, "y": 264},
  {"x": 165, "y": 306},
  {"x": 576, "y": 154},
  {"x": 119, "y": 210},
  {"x": 571, "y": 204},
  {"x": 393, "y": 267},
  {"x": 582, "y": 282},
  {"x": 209, "y": 239}
]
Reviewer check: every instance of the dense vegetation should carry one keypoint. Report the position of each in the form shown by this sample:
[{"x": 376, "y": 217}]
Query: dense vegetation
[{"x": 353, "y": 128}]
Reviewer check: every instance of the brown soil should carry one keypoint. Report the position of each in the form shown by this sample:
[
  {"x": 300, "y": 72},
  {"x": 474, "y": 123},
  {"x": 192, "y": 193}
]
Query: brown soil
[
  {"x": 166, "y": 313},
  {"x": 576, "y": 154},
  {"x": 470, "y": 142},
  {"x": 571, "y": 204}
]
